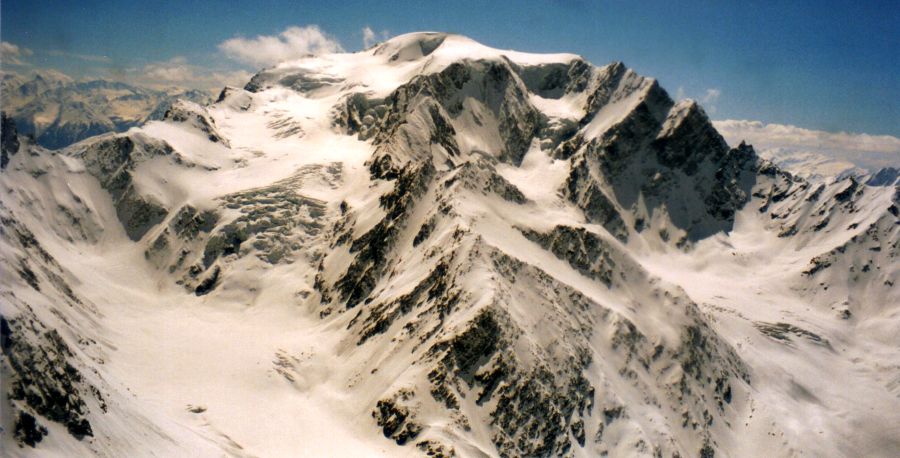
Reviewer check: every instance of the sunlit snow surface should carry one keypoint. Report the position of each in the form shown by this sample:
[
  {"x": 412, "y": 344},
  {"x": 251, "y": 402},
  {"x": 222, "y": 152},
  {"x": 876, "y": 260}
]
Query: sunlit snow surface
[{"x": 252, "y": 370}]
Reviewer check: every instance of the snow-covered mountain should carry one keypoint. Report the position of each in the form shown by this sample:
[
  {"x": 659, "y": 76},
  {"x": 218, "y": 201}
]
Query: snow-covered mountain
[
  {"x": 437, "y": 248},
  {"x": 815, "y": 155},
  {"x": 59, "y": 111},
  {"x": 811, "y": 166}
]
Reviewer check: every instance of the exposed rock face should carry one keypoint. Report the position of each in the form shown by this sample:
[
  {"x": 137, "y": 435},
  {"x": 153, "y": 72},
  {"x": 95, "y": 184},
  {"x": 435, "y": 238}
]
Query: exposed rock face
[
  {"x": 183, "y": 111},
  {"x": 163, "y": 106},
  {"x": 485, "y": 359},
  {"x": 661, "y": 159},
  {"x": 357, "y": 114},
  {"x": 298, "y": 80},
  {"x": 584, "y": 251},
  {"x": 112, "y": 160},
  {"x": 590, "y": 197},
  {"x": 862, "y": 256},
  {"x": 274, "y": 223},
  {"x": 235, "y": 98},
  {"x": 555, "y": 80},
  {"x": 480, "y": 176},
  {"x": 394, "y": 418},
  {"x": 42, "y": 376},
  {"x": 537, "y": 394},
  {"x": 75, "y": 121},
  {"x": 484, "y": 95},
  {"x": 423, "y": 46},
  {"x": 887, "y": 176},
  {"x": 373, "y": 246},
  {"x": 9, "y": 143},
  {"x": 28, "y": 430}
]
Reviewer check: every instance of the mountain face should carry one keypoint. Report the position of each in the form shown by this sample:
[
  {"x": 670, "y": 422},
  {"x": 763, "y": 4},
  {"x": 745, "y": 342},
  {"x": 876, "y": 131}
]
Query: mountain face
[
  {"x": 887, "y": 176},
  {"x": 436, "y": 248},
  {"x": 59, "y": 111}
]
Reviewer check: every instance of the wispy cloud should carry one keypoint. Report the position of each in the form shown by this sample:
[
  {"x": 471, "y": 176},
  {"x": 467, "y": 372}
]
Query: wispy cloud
[
  {"x": 175, "y": 69},
  {"x": 293, "y": 43},
  {"x": 175, "y": 72},
  {"x": 178, "y": 71},
  {"x": 371, "y": 38},
  {"x": 368, "y": 37},
  {"x": 13, "y": 54},
  {"x": 711, "y": 95},
  {"x": 84, "y": 57},
  {"x": 709, "y": 100},
  {"x": 865, "y": 150}
]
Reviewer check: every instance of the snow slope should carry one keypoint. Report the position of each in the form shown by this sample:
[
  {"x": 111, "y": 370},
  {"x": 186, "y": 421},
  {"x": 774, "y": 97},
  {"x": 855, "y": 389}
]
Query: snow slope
[{"x": 434, "y": 247}]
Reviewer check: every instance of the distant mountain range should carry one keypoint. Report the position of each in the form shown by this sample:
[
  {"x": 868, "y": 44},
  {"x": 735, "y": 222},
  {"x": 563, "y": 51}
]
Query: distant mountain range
[
  {"x": 59, "y": 110},
  {"x": 812, "y": 165},
  {"x": 814, "y": 154}
]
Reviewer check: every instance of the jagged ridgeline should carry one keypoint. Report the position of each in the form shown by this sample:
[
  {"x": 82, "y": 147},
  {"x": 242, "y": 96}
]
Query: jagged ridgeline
[
  {"x": 509, "y": 348},
  {"x": 498, "y": 247}
]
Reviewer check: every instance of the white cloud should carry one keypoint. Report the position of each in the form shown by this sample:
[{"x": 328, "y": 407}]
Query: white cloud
[
  {"x": 294, "y": 42},
  {"x": 85, "y": 57},
  {"x": 866, "y": 151},
  {"x": 13, "y": 54},
  {"x": 711, "y": 96},
  {"x": 709, "y": 100},
  {"x": 175, "y": 69},
  {"x": 177, "y": 72},
  {"x": 369, "y": 37}
]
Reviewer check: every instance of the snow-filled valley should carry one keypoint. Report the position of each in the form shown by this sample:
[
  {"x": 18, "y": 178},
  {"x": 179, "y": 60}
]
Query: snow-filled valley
[{"x": 436, "y": 248}]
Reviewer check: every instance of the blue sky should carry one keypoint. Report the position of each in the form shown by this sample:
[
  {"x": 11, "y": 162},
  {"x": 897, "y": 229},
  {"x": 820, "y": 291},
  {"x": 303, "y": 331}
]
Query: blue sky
[{"x": 825, "y": 65}]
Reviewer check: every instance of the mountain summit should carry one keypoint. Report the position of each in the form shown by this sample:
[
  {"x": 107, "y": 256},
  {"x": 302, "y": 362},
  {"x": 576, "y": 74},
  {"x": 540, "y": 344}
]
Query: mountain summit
[{"x": 432, "y": 247}]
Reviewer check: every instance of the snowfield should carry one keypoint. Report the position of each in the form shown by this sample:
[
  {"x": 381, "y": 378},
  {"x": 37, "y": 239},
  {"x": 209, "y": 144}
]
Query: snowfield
[{"x": 436, "y": 248}]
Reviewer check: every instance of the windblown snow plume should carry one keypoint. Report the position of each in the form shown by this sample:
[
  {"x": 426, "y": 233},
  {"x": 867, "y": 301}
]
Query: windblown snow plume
[{"x": 436, "y": 248}]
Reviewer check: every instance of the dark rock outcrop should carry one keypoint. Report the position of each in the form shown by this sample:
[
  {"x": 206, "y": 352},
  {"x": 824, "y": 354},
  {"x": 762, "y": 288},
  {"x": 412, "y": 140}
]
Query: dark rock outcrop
[
  {"x": 182, "y": 111},
  {"x": 112, "y": 160},
  {"x": 887, "y": 176},
  {"x": 42, "y": 377},
  {"x": 9, "y": 139}
]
